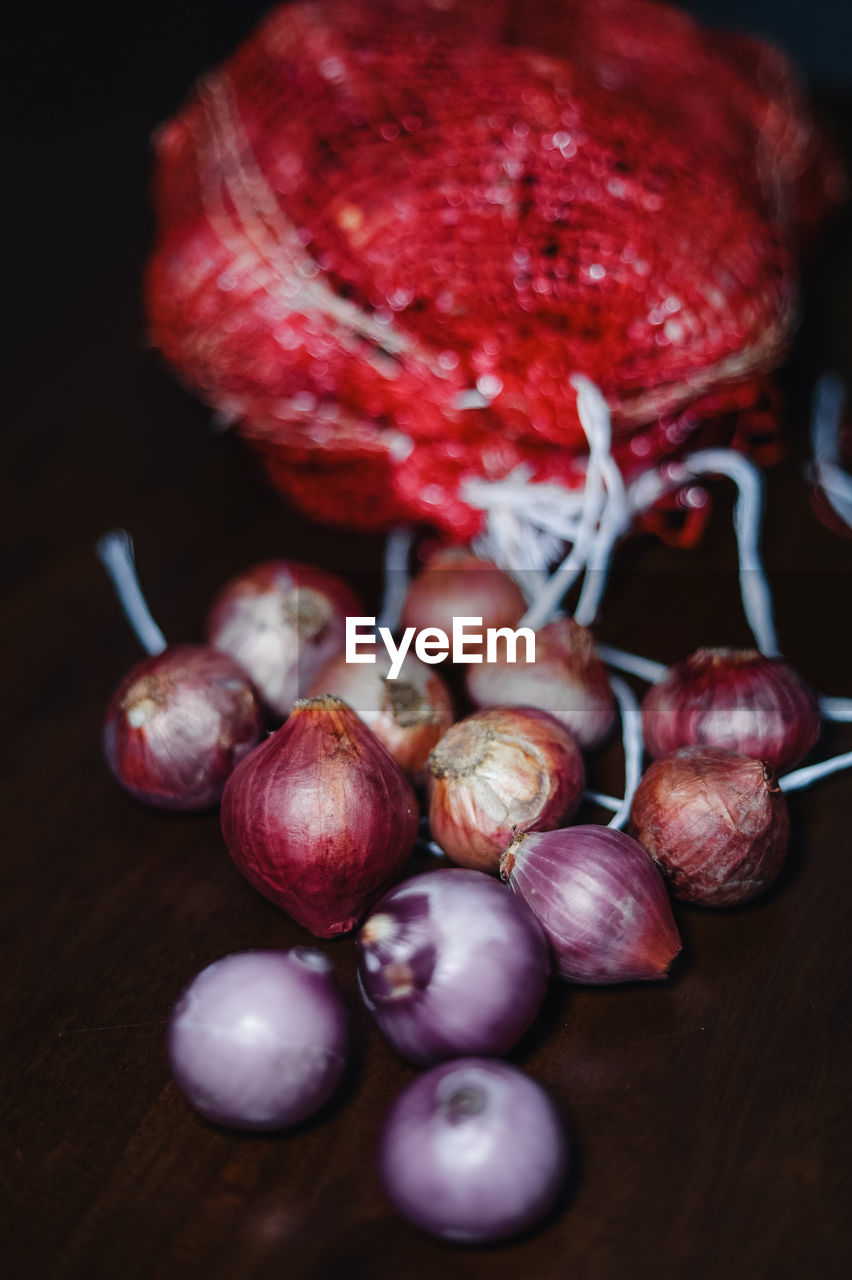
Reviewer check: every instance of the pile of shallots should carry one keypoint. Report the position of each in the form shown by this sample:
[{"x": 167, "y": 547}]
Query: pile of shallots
[{"x": 322, "y": 816}]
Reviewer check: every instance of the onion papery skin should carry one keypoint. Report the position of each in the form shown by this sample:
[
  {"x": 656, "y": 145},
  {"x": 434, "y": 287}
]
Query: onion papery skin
[
  {"x": 567, "y": 679},
  {"x": 320, "y": 818},
  {"x": 600, "y": 900},
  {"x": 408, "y": 715},
  {"x": 258, "y": 1039},
  {"x": 281, "y": 621},
  {"x": 454, "y": 584},
  {"x": 177, "y": 726},
  {"x": 715, "y": 823},
  {"x": 473, "y": 1151},
  {"x": 499, "y": 771},
  {"x": 452, "y": 963},
  {"x": 733, "y": 698}
]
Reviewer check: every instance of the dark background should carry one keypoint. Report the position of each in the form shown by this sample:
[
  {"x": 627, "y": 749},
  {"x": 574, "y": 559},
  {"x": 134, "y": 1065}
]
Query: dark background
[{"x": 710, "y": 1115}]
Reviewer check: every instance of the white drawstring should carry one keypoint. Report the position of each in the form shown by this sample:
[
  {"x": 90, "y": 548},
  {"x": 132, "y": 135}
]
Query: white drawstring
[
  {"x": 396, "y": 577},
  {"x": 826, "y": 416},
  {"x": 115, "y": 552},
  {"x": 536, "y": 518},
  {"x": 813, "y": 772},
  {"x": 645, "y": 668},
  {"x": 748, "y": 515},
  {"x": 634, "y": 747}
]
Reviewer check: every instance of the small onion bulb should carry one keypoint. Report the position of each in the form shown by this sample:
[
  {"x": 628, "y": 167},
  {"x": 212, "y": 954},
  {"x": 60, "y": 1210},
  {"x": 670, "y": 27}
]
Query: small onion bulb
[
  {"x": 567, "y": 679},
  {"x": 281, "y": 620},
  {"x": 450, "y": 963},
  {"x": 408, "y": 715},
  {"x": 456, "y": 583},
  {"x": 715, "y": 823},
  {"x": 320, "y": 818},
  {"x": 258, "y": 1039},
  {"x": 473, "y": 1151},
  {"x": 177, "y": 726},
  {"x": 497, "y": 772},
  {"x": 600, "y": 900},
  {"x": 733, "y": 698}
]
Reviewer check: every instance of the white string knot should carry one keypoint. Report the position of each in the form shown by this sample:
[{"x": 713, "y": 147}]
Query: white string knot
[{"x": 529, "y": 525}]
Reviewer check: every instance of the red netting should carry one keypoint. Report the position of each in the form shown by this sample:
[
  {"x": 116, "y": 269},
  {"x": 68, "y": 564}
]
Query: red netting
[{"x": 374, "y": 209}]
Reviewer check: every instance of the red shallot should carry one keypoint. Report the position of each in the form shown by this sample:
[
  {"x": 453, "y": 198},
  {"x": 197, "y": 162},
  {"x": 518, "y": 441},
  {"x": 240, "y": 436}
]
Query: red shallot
[
  {"x": 567, "y": 680},
  {"x": 320, "y": 818},
  {"x": 455, "y": 583},
  {"x": 599, "y": 898},
  {"x": 258, "y": 1039},
  {"x": 499, "y": 771},
  {"x": 177, "y": 726},
  {"x": 733, "y": 698},
  {"x": 280, "y": 621},
  {"x": 408, "y": 714},
  {"x": 180, "y": 720},
  {"x": 473, "y": 1151},
  {"x": 715, "y": 823},
  {"x": 450, "y": 963}
]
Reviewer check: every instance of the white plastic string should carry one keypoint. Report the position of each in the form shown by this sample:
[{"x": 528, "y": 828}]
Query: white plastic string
[
  {"x": 521, "y": 515},
  {"x": 634, "y": 747},
  {"x": 519, "y": 548},
  {"x": 115, "y": 552},
  {"x": 616, "y": 517},
  {"x": 645, "y": 668},
  {"x": 826, "y": 416},
  {"x": 748, "y": 512},
  {"x": 594, "y": 419},
  {"x": 527, "y": 524},
  {"x": 396, "y": 558},
  {"x": 603, "y": 515},
  {"x": 813, "y": 772},
  {"x": 605, "y": 801},
  {"x": 424, "y": 839},
  {"x": 614, "y": 522},
  {"x": 837, "y": 709}
]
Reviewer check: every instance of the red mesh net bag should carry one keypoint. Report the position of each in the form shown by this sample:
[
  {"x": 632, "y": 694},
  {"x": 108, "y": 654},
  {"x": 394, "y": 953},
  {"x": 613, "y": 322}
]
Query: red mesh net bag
[{"x": 391, "y": 233}]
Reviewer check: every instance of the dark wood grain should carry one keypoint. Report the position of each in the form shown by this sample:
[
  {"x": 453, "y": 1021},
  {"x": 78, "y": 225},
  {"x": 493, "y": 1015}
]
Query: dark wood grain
[{"x": 709, "y": 1114}]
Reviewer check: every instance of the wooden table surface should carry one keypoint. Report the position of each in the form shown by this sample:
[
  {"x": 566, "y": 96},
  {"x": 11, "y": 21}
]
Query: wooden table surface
[{"x": 709, "y": 1114}]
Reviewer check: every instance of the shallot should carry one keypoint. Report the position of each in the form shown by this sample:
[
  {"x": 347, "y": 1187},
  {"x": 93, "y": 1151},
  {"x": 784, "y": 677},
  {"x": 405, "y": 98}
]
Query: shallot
[
  {"x": 456, "y": 583},
  {"x": 733, "y": 698},
  {"x": 258, "y": 1040},
  {"x": 408, "y": 714},
  {"x": 567, "y": 680},
  {"x": 281, "y": 621},
  {"x": 451, "y": 963},
  {"x": 473, "y": 1151},
  {"x": 600, "y": 900},
  {"x": 181, "y": 719},
  {"x": 715, "y": 823},
  {"x": 177, "y": 726},
  {"x": 499, "y": 771},
  {"x": 320, "y": 818}
]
